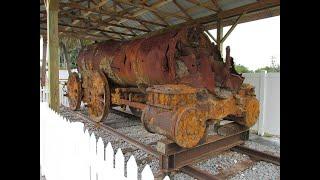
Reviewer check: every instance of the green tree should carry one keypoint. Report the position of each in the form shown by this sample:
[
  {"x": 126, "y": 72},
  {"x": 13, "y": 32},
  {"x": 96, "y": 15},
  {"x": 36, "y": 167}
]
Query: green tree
[
  {"x": 242, "y": 69},
  {"x": 72, "y": 48},
  {"x": 272, "y": 68}
]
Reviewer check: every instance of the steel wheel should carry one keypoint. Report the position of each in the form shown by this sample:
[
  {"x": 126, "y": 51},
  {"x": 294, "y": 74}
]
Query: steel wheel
[
  {"x": 99, "y": 96},
  {"x": 74, "y": 91}
]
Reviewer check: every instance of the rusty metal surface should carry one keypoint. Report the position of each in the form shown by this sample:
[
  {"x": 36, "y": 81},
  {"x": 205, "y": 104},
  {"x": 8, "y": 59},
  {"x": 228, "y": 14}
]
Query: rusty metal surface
[
  {"x": 170, "y": 96},
  {"x": 174, "y": 157},
  {"x": 133, "y": 104},
  {"x": 96, "y": 94},
  {"x": 74, "y": 91},
  {"x": 198, "y": 173},
  {"x": 178, "y": 80},
  {"x": 181, "y": 56},
  {"x": 258, "y": 154},
  {"x": 183, "y": 117}
]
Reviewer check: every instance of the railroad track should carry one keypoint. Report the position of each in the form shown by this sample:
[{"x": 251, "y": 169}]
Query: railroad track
[{"x": 164, "y": 150}]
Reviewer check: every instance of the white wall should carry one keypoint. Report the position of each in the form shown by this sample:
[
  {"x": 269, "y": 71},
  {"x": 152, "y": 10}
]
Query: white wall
[
  {"x": 267, "y": 88},
  {"x": 63, "y": 74}
]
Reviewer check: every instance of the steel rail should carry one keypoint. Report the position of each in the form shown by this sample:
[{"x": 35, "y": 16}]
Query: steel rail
[
  {"x": 128, "y": 139},
  {"x": 198, "y": 173},
  {"x": 257, "y": 154}
]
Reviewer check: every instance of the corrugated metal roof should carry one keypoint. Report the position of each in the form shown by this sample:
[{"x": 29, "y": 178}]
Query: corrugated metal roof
[
  {"x": 165, "y": 9},
  {"x": 170, "y": 8},
  {"x": 185, "y": 4}
]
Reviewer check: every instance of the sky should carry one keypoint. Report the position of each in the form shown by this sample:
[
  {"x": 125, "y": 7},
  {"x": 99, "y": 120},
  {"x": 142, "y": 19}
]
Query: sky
[{"x": 251, "y": 44}]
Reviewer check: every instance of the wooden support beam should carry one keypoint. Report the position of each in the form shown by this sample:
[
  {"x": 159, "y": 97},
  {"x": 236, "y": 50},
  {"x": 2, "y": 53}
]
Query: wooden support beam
[
  {"x": 209, "y": 34},
  {"x": 97, "y": 6},
  {"x": 103, "y": 22},
  {"x": 53, "y": 57},
  {"x": 131, "y": 31},
  {"x": 121, "y": 37},
  {"x": 93, "y": 28},
  {"x": 161, "y": 18},
  {"x": 145, "y": 26},
  {"x": 198, "y": 3},
  {"x": 76, "y": 6},
  {"x": 270, "y": 12},
  {"x": 252, "y": 7},
  {"x": 182, "y": 9},
  {"x": 232, "y": 28},
  {"x": 152, "y": 9},
  {"x": 44, "y": 61},
  {"x": 128, "y": 11},
  {"x": 143, "y": 11},
  {"x": 110, "y": 37},
  {"x": 79, "y": 36},
  {"x": 219, "y": 36},
  {"x": 216, "y": 5},
  {"x": 117, "y": 14},
  {"x": 83, "y": 34}
]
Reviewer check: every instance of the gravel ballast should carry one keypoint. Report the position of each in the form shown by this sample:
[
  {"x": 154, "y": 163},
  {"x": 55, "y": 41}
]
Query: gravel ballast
[
  {"x": 222, "y": 161},
  {"x": 261, "y": 170},
  {"x": 132, "y": 127}
]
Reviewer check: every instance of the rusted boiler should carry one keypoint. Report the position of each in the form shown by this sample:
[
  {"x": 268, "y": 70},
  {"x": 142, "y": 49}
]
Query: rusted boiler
[{"x": 177, "y": 80}]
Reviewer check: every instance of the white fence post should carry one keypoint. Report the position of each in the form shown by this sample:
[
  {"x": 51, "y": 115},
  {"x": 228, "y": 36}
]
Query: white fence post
[
  {"x": 100, "y": 159},
  {"x": 132, "y": 169},
  {"x": 119, "y": 164},
  {"x": 93, "y": 155},
  {"x": 108, "y": 163},
  {"x": 146, "y": 173},
  {"x": 262, "y": 102}
]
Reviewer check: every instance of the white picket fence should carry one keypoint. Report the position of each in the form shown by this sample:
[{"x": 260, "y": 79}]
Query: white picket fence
[
  {"x": 67, "y": 152},
  {"x": 44, "y": 93}
]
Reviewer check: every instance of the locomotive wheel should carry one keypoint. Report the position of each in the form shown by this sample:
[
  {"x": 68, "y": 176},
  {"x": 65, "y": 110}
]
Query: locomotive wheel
[
  {"x": 190, "y": 128},
  {"x": 74, "y": 91},
  {"x": 135, "y": 111},
  {"x": 99, "y": 96}
]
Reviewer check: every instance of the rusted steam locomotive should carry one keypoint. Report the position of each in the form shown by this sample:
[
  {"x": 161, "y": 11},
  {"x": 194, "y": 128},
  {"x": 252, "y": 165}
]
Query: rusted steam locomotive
[{"x": 176, "y": 80}]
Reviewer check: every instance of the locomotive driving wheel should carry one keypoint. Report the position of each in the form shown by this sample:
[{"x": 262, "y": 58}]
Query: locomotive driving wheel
[
  {"x": 99, "y": 96},
  {"x": 74, "y": 91}
]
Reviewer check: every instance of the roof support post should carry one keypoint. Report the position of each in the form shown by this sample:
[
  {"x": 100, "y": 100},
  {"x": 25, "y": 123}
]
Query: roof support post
[
  {"x": 44, "y": 62},
  {"x": 53, "y": 56},
  {"x": 219, "y": 36}
]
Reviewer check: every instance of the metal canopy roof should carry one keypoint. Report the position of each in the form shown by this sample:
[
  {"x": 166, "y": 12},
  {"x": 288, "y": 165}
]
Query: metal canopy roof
[{"x": 125, "y": 19}]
